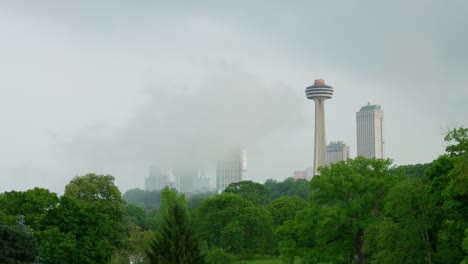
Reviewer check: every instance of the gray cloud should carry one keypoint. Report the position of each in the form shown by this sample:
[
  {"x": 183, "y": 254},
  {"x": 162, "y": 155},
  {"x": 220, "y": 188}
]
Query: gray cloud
[{"x": 186, "y": 125}]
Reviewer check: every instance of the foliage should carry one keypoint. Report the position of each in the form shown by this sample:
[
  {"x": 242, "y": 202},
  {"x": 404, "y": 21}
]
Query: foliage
[
  {"x": 285, "y": 208},
  {"x": 288, "y": 187},
  {"x": 451, "y": 183},
  {"x": 234, "y": 224},
  {"x": 458, "y": 141},
  {"x": 196, "y": 200},
  {"x": 220, "y": 256},
  {"x": 149, "y": 199},
  {"x": 18, "y": 244},
  {"x": 87, "y": 225},
  {"x": 465, "y": 246},
  {"x": 176, "y": 242},
  {"x": 345, "y": 199},
  {"x": 133, "y": 248},
  {"x": 416, "y": 170},
  {"x": 249, "y": 190},
  {"x": 136, "y": 215},
  {"x": 407, "y": 233},
  {"x": 32, "y": 204}
]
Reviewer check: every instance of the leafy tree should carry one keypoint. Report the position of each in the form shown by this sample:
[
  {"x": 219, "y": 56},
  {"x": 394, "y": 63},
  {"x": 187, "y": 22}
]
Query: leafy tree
[
  {"x": 288, "y": 187},
  {"x": 345, "y": 199},
  {"x": 134, "y": 246},
  {"x": 285, "y": 208},
  {"x": 33, "y": 204},
  {"x": 176, "y": 242},
  {"x": 135, "y": 215},
  {"x": 408, "y": 232},
  {"x": 416, "y": 170},
  {"x": 220, "y": 256},
  {"x": 149, "y": 199},
  {"x": 465, "y": 246},
  {"x": 216, "y": 213},
  {"x": 249, "y": 190},
  {"x": 18, "y": 244},
  {"x": 458, "y": 141},
  {"x": 57, "y": 246},
  {"x": 87, "y": 226},
  {"x": 234, "y": 224},
  {"x": 455, "y": 220},
  {"x": 448, "y": 177},
  {"x": 196, "y": 200}
]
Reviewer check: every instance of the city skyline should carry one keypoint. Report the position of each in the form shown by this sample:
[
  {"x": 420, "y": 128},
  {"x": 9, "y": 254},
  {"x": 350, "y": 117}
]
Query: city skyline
[{"x": 109, "y": 87}]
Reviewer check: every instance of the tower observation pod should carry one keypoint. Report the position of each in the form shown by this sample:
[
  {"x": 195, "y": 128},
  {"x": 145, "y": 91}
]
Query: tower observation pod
[{"x": 319, "y": 92}]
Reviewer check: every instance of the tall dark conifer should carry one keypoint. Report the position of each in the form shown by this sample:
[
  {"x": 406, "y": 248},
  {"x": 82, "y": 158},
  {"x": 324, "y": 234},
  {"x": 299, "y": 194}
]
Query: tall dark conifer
[{"x": 176, "y": 241}]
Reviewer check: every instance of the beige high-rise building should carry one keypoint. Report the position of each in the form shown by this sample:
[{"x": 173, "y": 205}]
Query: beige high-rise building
[
  {"x": 231, "y": 169},
  {"x": 337, "y": 151},
  {"x": 370, "y": 139}
]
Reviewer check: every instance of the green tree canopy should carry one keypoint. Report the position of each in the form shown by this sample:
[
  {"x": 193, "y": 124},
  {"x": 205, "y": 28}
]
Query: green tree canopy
[
  {"x": 345, "y": 199},
  {"x": 284, "y": 208},
  {"x": 234, "y": 224},
  {"x": 32, "y": 204},
  {"x": 249, "y": 190},
  {"x": 87, "y": 226},
  {"x": 407, "y": 233},
  {"x": 288, "y": 187},
  {"x": 150, "y": 199}
]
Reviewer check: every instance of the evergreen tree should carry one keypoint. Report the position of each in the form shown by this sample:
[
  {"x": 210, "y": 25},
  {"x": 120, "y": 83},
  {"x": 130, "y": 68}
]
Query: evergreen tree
[
  {"x": 176, "y": 241},
  {"x": 18, "y": 244}
]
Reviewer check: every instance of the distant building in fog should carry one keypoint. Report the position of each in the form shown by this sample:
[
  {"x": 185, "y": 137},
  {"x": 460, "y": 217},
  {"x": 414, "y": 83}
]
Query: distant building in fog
[
  {"x": 310, "y": 173},
  {"x": 202, "y": 182},
  {"x": 337, "y": 151},
  {"x": 370, "y": 140},
  {"x": 299, "y": 175},
  {"x": 192, "y": 181},
  {"x": 306, "y": 174},
  {"x": 185, "y": 180},
  {"x": 158, "y": 179},
  {"x": 231, "y": 169}
]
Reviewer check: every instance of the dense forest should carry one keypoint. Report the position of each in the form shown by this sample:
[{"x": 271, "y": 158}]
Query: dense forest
[{"x": 357, "y": 211}]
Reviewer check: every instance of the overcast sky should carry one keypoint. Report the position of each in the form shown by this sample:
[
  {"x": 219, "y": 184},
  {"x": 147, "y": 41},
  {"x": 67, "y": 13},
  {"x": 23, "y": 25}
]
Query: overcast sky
[{"x": 113, "y": 86}]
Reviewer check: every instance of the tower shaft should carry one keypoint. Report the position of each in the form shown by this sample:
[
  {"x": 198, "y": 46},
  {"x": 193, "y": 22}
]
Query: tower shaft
[{"x": 320, "y": 140}]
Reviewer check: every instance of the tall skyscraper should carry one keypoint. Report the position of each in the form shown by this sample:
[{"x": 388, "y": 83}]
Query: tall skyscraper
[
  {"x": 231, "y": 169},
  {"x": 337, "y": 151},
  {"x": 319, "y": 92},
  {"x": 370, "y": 140}
]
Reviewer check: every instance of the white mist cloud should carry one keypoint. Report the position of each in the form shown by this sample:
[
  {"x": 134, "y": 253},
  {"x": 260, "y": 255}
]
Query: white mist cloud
[{"x": 190, "y": 125}]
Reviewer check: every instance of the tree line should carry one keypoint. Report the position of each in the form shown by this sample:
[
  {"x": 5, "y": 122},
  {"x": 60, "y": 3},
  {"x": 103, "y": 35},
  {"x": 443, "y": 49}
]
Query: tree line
[{"x": 357, "y": 211}]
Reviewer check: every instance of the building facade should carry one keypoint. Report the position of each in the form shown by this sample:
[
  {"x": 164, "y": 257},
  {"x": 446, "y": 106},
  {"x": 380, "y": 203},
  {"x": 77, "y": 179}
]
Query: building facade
[
  {"x": 370, "y": 138},
  {"x": 231, "y": 169},
  {"x": 337, "y": 151}
]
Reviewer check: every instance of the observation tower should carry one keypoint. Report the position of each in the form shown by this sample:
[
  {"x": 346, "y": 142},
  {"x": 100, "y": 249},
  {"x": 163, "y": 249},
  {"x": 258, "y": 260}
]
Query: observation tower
[{"x": 319, "y": 92}]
